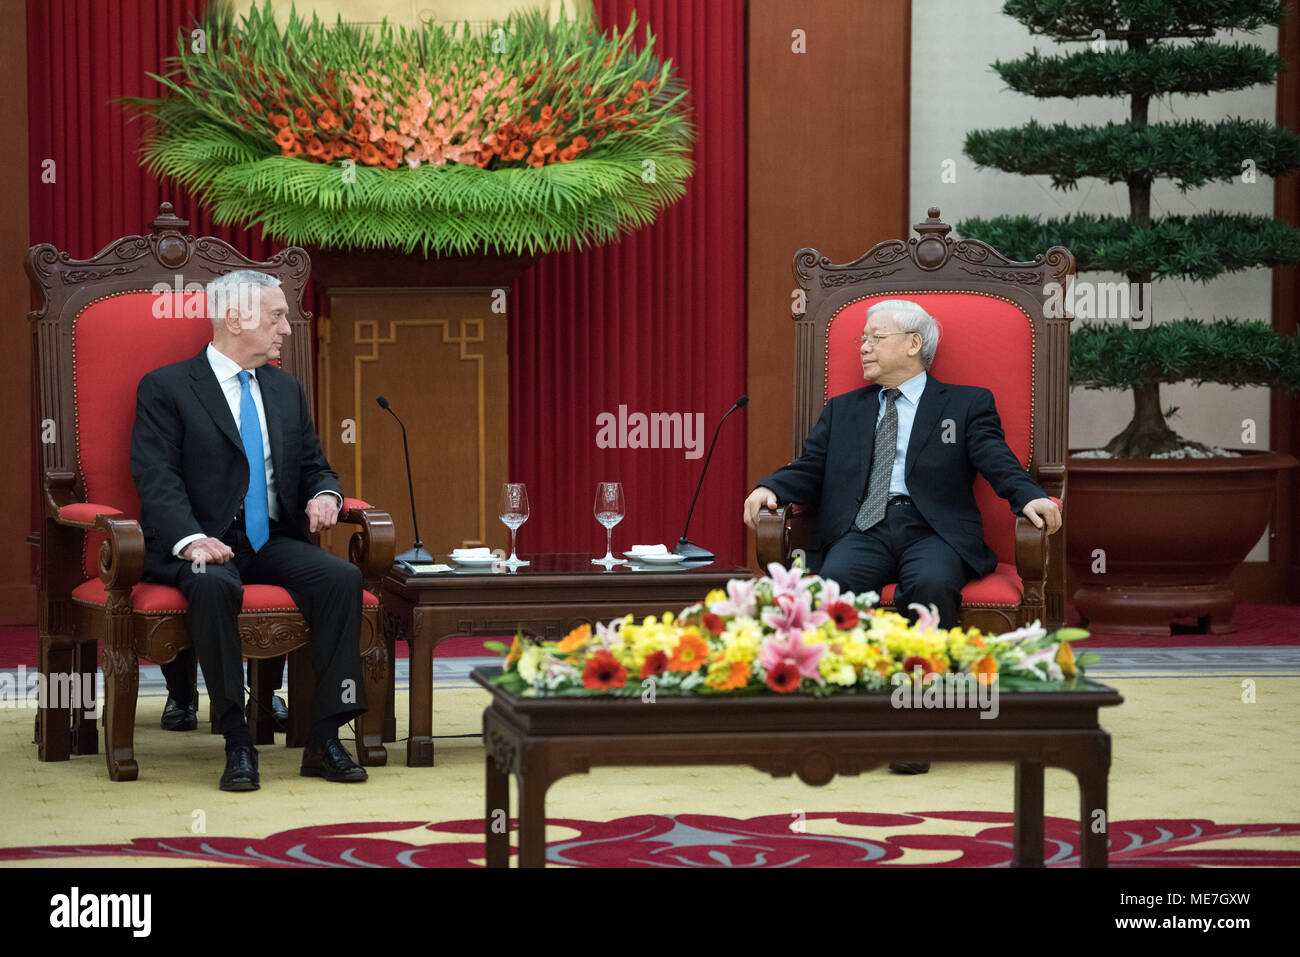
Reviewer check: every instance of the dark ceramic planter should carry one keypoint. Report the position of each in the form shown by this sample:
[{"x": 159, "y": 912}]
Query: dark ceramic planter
[{"x": 1170, "y": 533}]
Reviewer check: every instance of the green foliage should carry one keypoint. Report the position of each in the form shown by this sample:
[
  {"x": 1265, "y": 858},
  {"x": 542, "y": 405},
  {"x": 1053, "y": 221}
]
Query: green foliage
[
  {"x": 1198, "y": 68},
  {"x": 1191, "y": 153},
  {"x": 213, "y": 136},
  {"x": 1077, "y": 19},
  {"x": 1228, "y": 351},
  {"x": 1198, "y": 247}
]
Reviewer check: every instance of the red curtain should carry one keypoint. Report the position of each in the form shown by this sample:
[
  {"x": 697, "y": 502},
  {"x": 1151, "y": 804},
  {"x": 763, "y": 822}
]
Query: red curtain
[{"x": 655, "y": 323}]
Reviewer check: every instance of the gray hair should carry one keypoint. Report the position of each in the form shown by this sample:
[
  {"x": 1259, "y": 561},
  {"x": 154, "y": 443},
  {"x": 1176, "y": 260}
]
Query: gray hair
[
  {"x": 240, "y": 289},
  {"x": 910, "y": 317}
]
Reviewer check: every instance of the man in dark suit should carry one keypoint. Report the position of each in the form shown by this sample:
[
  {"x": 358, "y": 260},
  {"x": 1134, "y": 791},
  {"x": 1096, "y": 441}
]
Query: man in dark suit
[
  {"x": 890, "y": 469},
  {"x": 212, "y": 523}
]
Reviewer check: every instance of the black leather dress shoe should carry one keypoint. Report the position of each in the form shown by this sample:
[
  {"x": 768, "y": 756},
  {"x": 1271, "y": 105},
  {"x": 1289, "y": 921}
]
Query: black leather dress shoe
[
  {"x": 279, "y": 714},
  {"x": 332, "y": 762},
  {"x": 909, "y": 767},
  {"x": 177, "y": 717},
  {"x": 241, "y": 769}
]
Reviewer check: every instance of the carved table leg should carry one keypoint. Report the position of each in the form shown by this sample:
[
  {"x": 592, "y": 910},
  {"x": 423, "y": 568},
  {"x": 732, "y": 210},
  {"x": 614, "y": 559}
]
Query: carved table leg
[
  {"x": 532, "y": 814},
  {"x": 419, "y": 742},
  {"x": 390, "y": 705},
  {"x": 496, "y": 821},
  {"x": 1094, "y": 827},
  {"x": 1029, "y": 837},
  {"x": 53, "y": 729}
]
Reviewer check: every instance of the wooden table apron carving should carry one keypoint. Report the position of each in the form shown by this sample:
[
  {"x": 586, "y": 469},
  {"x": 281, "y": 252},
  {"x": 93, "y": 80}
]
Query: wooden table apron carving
[
  {"x": 542, "y": 739},
  {"x": 550, "y": 597}
]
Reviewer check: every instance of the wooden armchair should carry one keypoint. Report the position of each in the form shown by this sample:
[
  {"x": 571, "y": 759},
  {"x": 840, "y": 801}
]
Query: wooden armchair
[
  {"x": 995, "y": 334},
  {"x": 100, "y": 325}
]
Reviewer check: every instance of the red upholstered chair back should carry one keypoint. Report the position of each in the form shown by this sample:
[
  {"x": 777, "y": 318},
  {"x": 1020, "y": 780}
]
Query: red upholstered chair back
[
  {"x": 995, "y": 333},
  {"x": 116, "y": 340},
  {"x": 984, "y": 340},
  {"x": 99, "y": 328}
]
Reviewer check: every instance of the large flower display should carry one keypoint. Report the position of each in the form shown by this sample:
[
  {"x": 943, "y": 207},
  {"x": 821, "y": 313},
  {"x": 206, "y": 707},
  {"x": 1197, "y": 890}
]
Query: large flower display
[
  {"x": 787, "y": 632},
  {"x": 524, "y": 136}
]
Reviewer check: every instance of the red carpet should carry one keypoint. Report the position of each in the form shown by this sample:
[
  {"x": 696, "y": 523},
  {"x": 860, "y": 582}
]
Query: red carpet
[
  {"x": 1256, "y": 625},
  {"x": 706, "y": 840}
]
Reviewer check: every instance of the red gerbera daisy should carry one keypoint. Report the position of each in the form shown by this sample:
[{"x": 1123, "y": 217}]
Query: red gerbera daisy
[
  {"x": 916, "y": 661},
  {"x": 713, "y": 623},
  {"x": 655, "y": 665},
  {"x": 844, "y": 615},
  {"x": 603, "y": 670},
  {"x": 784, "y": 678}
]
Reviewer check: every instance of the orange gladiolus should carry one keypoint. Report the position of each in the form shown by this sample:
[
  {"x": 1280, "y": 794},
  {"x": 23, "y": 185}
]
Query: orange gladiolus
[
  {"x": 369, "y": 155},
  {"x": 568, "y": 154},
  {"x": 546, "y": 144},
  {"x": 536, "y": 160},
  {"x": 314, "y": 147},
  {"x": 516, "y": 151},
  {"x": 580, "y": 143},
  {"x": 284, "y": 139},
  {"x": 576, "y": 639},
  {"x": 690, "y": 654},
  {"x": 278, "y": 119}
]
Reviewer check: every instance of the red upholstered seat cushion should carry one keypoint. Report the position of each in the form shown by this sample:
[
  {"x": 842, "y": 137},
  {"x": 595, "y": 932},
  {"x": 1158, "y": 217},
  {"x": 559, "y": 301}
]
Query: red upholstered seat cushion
[
  {"x": 84, "y": 513},
  {"x": 149, "y": 598},
  {"x": 1002, "y": 589},
  {"x": 351, "y": 503},
  {"x": 984, "y": 341}
]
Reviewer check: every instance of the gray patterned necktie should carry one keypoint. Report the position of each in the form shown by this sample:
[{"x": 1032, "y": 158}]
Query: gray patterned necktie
[{"x": 882, "y": 466}]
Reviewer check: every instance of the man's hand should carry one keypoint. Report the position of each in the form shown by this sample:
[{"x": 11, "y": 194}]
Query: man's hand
[
  {"x": 758, "y": 499},
  {"x": 206, "y": 550},
  {"x": 1043, "y": 509},
  {"x": 323, "y": 511}
]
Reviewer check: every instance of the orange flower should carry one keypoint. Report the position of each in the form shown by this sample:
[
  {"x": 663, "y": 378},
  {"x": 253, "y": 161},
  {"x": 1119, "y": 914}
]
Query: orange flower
[
  {"x": 516, "y": 151},
  {"x": 369, "y": 155},
  {"x": 314, "y": 147},
  {"x": 603, "y": 670},
  {"x": 516, "y": 650},
  {"x": 278, "y": 119},
  {"x": 576, "y": 639},
  {"x": 690, "y": 654},
  {"x": 1065, "y": 658},
  {"x": 536, "y": 160},
  {"x": 546, "y": 114},
  {"x": 580, "y": 143},
  {"x": 985, "y": 670},
  {"x": 284, "y": 139},
  {"x": 546, "y": 144},
  {"x": 736, "y": 677},
  {"x": 568, "y": 154}
]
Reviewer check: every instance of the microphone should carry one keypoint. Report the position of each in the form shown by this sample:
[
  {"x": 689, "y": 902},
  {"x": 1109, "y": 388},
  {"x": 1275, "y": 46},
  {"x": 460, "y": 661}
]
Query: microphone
[
  {"x": 416, "y": 554},
  {"x": 685, "y": 547}
]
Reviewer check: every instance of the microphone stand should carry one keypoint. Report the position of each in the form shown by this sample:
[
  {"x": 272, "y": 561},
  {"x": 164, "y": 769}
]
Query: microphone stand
[
  {"x": 416, "y": 554},
  {"x": 685, "y": 547}
]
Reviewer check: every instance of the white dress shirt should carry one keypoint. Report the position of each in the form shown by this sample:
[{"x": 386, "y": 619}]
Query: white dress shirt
[
  {"x": 906, "y": 404},
  {"x": 227, "y": 372}
]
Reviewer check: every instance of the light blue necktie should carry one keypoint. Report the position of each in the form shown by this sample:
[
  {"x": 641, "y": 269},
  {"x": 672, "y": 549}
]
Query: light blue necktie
[{"x": 256, "y": 523}]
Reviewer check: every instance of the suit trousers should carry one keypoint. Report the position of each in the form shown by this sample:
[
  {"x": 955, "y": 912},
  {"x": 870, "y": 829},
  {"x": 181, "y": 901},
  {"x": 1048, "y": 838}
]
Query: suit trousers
[
  {"x": 901, "y": 548},
  {"x": 327, "y": 591}
]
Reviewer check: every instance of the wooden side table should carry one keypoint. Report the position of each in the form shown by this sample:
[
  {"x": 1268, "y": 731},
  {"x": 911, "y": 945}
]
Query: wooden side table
[
  {"x": 542, "y": 739},
  {"x": 550, "y": 597}
]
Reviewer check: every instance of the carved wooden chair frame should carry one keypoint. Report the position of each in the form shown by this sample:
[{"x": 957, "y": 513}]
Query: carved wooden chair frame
[{"x": 935, "y": 262}]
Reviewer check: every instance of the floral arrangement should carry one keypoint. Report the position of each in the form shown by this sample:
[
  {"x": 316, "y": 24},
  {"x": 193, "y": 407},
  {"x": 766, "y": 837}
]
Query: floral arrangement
[
  {"x": 524, "y": 136},
  {"x": 786, "y": 632}
]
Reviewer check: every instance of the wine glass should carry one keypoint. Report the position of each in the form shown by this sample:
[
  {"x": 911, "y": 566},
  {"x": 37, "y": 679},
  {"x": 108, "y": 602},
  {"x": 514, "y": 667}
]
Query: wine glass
[
  {"x": 609, "y": 510},
  {"x": 513, "y": 510}
]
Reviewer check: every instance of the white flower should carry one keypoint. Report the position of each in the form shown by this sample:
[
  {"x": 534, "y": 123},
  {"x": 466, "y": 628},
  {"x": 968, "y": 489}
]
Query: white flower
[{"x": 529, "y": 662}]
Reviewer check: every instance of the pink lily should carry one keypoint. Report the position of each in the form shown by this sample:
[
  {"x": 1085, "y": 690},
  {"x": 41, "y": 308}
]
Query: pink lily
[
  {"x": 927, "y": 619},
  {"x": 742, "y": 601},
  {"x": 792, "y": 615},
  {"x": 788, "y": 581},
  {"x": 773, "y": 651}
]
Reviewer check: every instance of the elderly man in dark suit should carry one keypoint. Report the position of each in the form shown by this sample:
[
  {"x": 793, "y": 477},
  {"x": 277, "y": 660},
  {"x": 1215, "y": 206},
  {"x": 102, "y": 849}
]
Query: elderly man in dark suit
[
  {"x": 232, "y": 479},
  {"x": 890, "y": 469}
]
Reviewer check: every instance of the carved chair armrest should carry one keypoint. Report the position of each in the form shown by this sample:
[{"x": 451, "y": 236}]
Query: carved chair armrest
[
  {"x": 1031, "y": 552},
  {"x": 84, "y": 514},
  {"x": 121, "y": 555},
  {"x": 374, "y": 546},
  {"x": 779, "y": 533}
]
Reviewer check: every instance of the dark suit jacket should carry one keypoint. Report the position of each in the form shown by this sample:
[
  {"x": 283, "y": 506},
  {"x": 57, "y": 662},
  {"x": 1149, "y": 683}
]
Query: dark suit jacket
[
  {"x": 831, "y": 474},
  {"x": 188, "y": 461}
]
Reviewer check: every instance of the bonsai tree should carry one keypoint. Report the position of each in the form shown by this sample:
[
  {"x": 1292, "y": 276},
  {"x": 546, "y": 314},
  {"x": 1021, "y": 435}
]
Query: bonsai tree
[{"x": 1135, "y": 152}]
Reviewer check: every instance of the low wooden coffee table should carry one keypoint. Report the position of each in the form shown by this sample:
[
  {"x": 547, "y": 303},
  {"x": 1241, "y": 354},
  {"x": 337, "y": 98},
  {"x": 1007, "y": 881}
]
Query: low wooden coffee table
[
  {"x": 549, "y": 597},
  {"x": 542, "y": 739}
]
